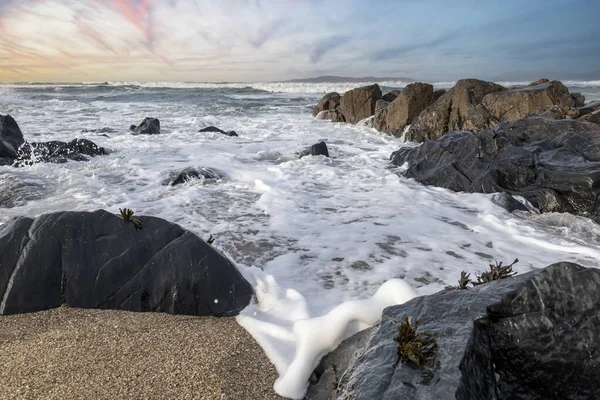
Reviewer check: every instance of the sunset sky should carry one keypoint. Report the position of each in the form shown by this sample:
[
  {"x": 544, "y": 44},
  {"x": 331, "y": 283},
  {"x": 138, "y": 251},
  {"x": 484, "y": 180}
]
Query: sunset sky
[{"x": 262, "y": 40}]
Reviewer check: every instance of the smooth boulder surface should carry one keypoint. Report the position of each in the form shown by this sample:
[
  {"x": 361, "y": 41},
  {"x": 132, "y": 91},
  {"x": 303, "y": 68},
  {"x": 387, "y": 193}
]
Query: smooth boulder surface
[
  {"x": 204, "y": 174},
  {"x": 215, "y": 129},
  {"x": 529, "y": 337},
  {"x": 405, "y": 108},
  {"x": 358, "y": 104},
  {"x": 554, "y": 164},
  {"x": 98, "y": 260},
  {"x": 11, "y": 138},
  {"x": 330, "y": 101},
  {"x": 149, "y": 126},
  {"x": 57, "y": 152},
  {"x": 318, "y": 149},
  {"x": 458, "y": 109}
]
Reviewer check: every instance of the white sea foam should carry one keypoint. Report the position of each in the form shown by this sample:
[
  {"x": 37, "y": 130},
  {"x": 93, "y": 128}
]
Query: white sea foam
[{"x": 310, "y": 233}]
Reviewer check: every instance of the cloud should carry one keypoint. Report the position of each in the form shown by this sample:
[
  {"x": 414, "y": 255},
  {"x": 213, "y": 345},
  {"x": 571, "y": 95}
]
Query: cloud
[
  {"x": 391, "y": 53},
  {"x": 327, "y": 45}
]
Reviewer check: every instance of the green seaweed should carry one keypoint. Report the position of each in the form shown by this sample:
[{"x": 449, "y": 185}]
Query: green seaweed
[
  {"x": 414, "y": 348},
  {"x": 210, "y": 240},
  {"x": 138, "y": 224},
  {"x": 497, "y": 271},
  {"x": 126, "y": 213},
  {"x": 463, "y": 282}
]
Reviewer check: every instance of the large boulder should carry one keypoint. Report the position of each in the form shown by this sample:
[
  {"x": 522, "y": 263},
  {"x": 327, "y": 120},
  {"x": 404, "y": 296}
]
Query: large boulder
[
  {"x": 149, "y": 126},
  {"x": 555, "y": 164},
  {"x": 516, "y": 104},
  {"x": 57, "y": 152},
  {"x": 98, "y": 260},
  {"x": 358, "y": 104},
  {"x": 330, "y": 101},
  {"x": 457, "y": 109},
  {"x": 530, "y": 337},
  {"x": 11, "y": 137},
  {"x": 404, "y": 109},
  {"x": 202, "y": 174}
]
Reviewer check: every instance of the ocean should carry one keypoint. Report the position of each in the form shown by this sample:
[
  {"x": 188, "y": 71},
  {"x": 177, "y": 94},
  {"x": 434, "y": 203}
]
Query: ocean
[{"x": 309, "y": 233}]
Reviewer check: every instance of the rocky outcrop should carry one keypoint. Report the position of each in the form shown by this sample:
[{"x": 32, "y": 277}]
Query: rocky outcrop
[
  {"x": 318, "y": 149},
  {"x": 98, "y": 260},
  {"x": 554, "y": 164},
  {"x": 593, "y": 117},
  {"x": 539, "y": 82},
  {"x": 11, "y": 137},
  {"x": 215, "y": 129},
  {"x": 578, "y": 99},
  {"x": 149, "y": 126},
  {"x": 203, "y": 174},
  {"x": 457, "y": 109},
  {"x": 330, "y": 101},
  {"x": 529, "y": 337},
  {"x": 404, "y": 109},
  {"x": 57, "y": 152},
  {"x": 391, "y": 96},
  {"x": 516, "y": 104},
  {"x": 358, "y": 104}
]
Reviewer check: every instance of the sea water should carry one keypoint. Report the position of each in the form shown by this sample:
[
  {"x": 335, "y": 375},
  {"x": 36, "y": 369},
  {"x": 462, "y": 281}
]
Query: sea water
[{"x": 309, "y": 233}]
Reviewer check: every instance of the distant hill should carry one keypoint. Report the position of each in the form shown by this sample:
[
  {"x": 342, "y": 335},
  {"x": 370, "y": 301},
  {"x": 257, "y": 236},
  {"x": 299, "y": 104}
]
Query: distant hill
[{"x": 340, "y": 79}]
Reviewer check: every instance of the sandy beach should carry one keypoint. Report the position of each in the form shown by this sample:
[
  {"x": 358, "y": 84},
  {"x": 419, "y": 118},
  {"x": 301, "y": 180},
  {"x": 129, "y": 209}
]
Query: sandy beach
[{"x": 69, "y": 353}]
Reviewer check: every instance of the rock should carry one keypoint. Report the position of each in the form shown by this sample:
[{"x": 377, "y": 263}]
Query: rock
[
  {"x": 358, "y": 104},
  {"x": 11, "y": 137},
  {"x": 330, "y": 101},
  {"x": 552, "y": 112},
  {"x": 149, "y": 126},
  {"x": 593, "y": 117},
  {"x": 101, "y": 130},
  {"x": 554, "y": 164},
  {"x": 18, "y": 191},
  {"x": 404, "y": 109},
  {"x": 515, "y": 104},
  {"x": 457, "y": 109},
  {"x": 204, "y": 174},
  {"x": 319, "y": 149},
  {"x": 438, "y": 93},
  {"x": 132, "y": 127},
  {"x": 57, "y": 152},
  {"x": 508, "y": 339},
  {"x": 589, "y": 108},
  {"x": 508, "y": 202},
  {"x": 391, "y": 96},
  {"x": 578, "y": 99},
  {"x": 380, "y": 117},
  {"x": 539, "y": 82},
  {"x": 97, "y": 260},
  {"x": 332, "y": 115},
  {"x": 215, "y": 129}
]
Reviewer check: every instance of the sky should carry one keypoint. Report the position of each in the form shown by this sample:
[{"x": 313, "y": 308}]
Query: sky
[{"x": 269, "y": 40}]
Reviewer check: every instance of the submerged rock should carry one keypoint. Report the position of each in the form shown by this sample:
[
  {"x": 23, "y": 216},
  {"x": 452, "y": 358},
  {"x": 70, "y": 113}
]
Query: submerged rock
[
  {"x": 149, "y": 126},
  {"x": 532, "y": 336},
  {"x": 358, "y": 104},
  {"x": 215, "y": 129},
  {"x": 17, "y": 191},
  {"x": 204, "y": 174},
  {"x": 97, "y": 260},
  {"x": 11, "y": 137},
  {"x": 554, "y": 164},
  {"x": 57, "y": 152},
  {"x": 318, "y": 149}
]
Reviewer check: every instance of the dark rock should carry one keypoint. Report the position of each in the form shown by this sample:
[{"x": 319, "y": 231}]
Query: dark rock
[
  {"x": 358, "y": 104},
  {"x": 149, "y": 126},
  {"x": 404, "y": 109},
  {"x": 97, "y": 260},
  {"x": 554, "y": 164},
  {"x": 330, "y": 101},
  {"x": 57, "y": 152},
  {"x": 438, "y": 93},
  {"x": 578, "y": 99},
  {"x": 319, "y": 149},
  {"x": 215, "y": 129},
  {"x": 528, "y": 337},
  {"x": 204, "y": 174},
  {"x": 589, "y": 108},
  {"x": 101, "y": 130},
  {"x": 11, "y": 137},
  {"x": 391, "y": 96},
  {"x": 132, "y": 127},
  {"x": 508, "y": 202},
  {"x": 457, "y": 109},
  {"x": 593, "y": 117}
]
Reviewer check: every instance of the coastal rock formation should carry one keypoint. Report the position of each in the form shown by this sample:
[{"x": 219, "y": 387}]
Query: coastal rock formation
[
  {"x": 149, "y": 126},
  {"x": 457, "y": 109},
  {"x": 391, "y": 96},
  {"x": 330, "y": 101},
  {"x": 358, "y": 104},
  {"x": 404, "y": 109},
  {"x": 490, "y": 339},
  {"x": 11, "y": 138},
  {"x": 554, "y": 164},
  {"x": 578, "y": 99},
  {"x": 57, "y": 152},
  {"x": 98, "y": 260},
  {"x": 318, "y": 149},
  {"x": 593, "y": 117},
  {"x": 204, "y": 174},
  {"x": 215, "y": 129}
]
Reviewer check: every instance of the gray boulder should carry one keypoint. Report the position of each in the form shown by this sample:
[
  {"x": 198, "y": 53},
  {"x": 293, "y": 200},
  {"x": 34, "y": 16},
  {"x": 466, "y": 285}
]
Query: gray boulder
[
  {"x": 578, "y": 99},
  {"x": 11, "y": 137},
  {"x": 401, "y": 112},
  {"x": 98, "y": 260},
  {"x": 330, "y": 101},
  {"x": 149, "y": 126},
  {"x": 57, "y": 152},
  {"x": 358, "y": 104},
  {"x": 203, "y": 174},
  {"x": 529, "y": 337},
  {"x": 554, "y": 164},
  {"x": 318, "y": 149}
]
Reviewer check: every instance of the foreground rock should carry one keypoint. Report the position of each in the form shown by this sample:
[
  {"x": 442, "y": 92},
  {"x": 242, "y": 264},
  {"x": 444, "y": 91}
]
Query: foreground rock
[
  {"x": 554, "y": 164},
  {"x": 318, "y": 149},
  {"x": 149, "y": 126},
  {"x": 512, "y": 338},
  {"x": 215, "y": 129},
  {"x": 358, "y": 104},
  {"x": 405, "y": 108},
  {"x": 97, "y": 260},
  {"x": 330, "y": 101},
  {"x": 11, "y": 139},
  {"x": 203, "y": 174}
]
